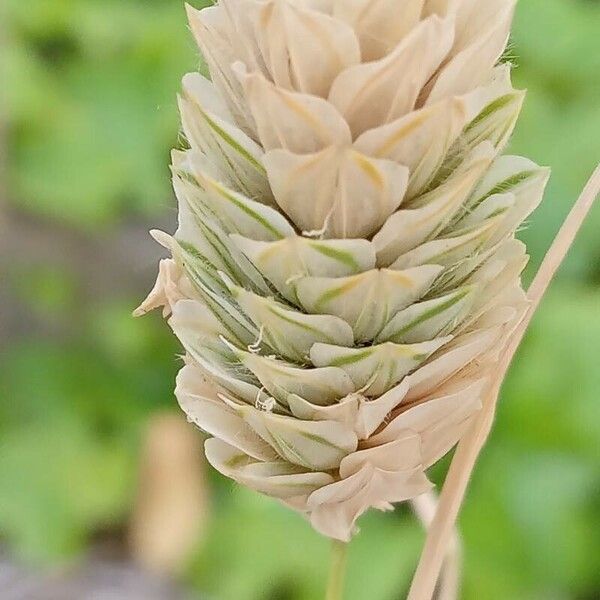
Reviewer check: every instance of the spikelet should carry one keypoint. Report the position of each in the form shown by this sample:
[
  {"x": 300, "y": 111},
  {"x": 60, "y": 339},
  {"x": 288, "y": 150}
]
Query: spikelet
[{"x": 345, "y": 272}]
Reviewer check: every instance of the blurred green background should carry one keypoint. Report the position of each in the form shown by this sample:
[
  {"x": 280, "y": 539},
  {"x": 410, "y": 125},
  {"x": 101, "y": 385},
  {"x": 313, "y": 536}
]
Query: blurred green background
[{"x": 88, "y": 115}]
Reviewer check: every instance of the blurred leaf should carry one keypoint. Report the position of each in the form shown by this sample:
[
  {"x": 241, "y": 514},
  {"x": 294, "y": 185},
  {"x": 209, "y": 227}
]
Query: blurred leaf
[
  {"x": 48, "y": 290},
  {"x": 558, "y": 39},
  {"x": 568, "y": 139},
  {"x": 99, "y": 142},
  {"x": 259, "y": 549},
  {"x": 536, "y": 491},
  {"x": 70, "y": 423},
  {"x": 557, "y": 52},
  {"x": 57, "y": 483}
]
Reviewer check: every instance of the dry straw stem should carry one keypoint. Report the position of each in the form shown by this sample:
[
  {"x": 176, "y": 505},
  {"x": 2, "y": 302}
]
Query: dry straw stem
[
  {"x": 335, "y": 585},
  {"x": 448, "y": 587},
  {"x": 440, "y": 533}
]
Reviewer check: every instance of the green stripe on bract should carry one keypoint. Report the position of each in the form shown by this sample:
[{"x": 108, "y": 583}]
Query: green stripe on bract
[
  {"x": 511, "y": 182},
  {"x": 463, "y": 143},
  {"x": 497, "y": 104},
  {"x": 286, "y": 450},
  {"x": 299, "y": 324},
  {"x": 231, "y": 142},
  {"x": 246, "y": 209},
  {"x": 315, "y": 438},
  {"x": 432, "y": 312},
  {"x": 339, "y": 255},
  {"x": 502, "y": 187},
  {"x": 235, "y": 461},
  {"x": 186, "y": 176},
  {"x": 349, "y": 360},
  {"x": 443, "y": 256},
  {"x": 205, "y": 264},
  {"x": 218, "y": 289},
  {"x": 235, "y": 270},
  {"x": 217, "y": 245},
  {"x": 334, "y": 293}
]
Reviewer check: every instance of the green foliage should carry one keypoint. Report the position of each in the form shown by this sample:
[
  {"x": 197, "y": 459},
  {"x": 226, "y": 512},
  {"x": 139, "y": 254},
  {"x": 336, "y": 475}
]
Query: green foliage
[
  {"x": 70, "y": 422},
  {"x": 91, "y": 116},
  {"x": 91, "y": 105},
  {"x": 556, "y": 48},
  {"x": 289, "y": 561},
  {"x": 535, "y": 500}
]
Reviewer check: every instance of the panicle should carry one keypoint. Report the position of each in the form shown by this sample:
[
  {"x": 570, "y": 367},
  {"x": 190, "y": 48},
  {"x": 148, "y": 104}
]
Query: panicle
[{"x": 345, "y": 271}]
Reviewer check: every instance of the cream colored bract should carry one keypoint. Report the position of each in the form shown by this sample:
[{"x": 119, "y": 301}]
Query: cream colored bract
[{"x": 345, "y": 271}]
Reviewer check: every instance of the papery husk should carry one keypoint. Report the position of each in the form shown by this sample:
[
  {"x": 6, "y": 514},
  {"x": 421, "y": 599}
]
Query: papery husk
[{"x": 345, "y": 272}]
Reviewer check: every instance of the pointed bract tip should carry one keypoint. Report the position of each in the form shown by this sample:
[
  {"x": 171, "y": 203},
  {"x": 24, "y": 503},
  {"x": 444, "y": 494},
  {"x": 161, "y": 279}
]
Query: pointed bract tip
[{"x": 164, "y": 239}]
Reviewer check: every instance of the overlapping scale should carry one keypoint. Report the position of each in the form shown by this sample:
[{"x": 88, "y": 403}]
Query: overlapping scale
[{"x": 345, "y": 271}]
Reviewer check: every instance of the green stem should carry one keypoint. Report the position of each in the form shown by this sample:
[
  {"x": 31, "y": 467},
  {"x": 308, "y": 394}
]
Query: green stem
[{"x": 335, "y": 586}]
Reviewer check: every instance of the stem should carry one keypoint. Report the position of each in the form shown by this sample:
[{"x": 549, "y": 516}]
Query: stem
[
  {"x": 335, "y": 586},
  {"x": 425, "y": 507}
]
